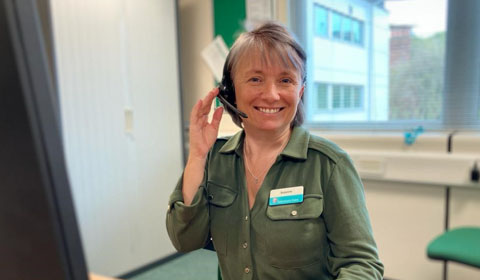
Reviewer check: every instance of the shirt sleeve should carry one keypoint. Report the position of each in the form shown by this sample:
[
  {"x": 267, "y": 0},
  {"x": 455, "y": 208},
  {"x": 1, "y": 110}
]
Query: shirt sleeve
[
  {"x": 353, "y": 252},
  {"x": 188, "y": 226}
]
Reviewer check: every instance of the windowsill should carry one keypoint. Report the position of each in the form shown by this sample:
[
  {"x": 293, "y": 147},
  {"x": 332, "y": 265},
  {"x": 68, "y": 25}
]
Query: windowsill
[{"x": 384, "y": 156}]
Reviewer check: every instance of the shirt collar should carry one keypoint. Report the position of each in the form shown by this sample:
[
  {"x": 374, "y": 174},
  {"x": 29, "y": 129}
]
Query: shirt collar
[
  {"x": 297, "y": 146},
  {"x": 234, "y": 144}
]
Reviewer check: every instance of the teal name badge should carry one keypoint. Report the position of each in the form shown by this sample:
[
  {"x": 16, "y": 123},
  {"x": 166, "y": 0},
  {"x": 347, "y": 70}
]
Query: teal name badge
[{"x": 286, "y": 196}]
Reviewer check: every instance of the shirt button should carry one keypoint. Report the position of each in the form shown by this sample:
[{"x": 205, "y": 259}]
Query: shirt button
[
  {"x": 246, "y": 218},
  {"x": 294, "y": 213},
  {"x": 245, "y": 245},
  {"x": 247, "y": 270}
]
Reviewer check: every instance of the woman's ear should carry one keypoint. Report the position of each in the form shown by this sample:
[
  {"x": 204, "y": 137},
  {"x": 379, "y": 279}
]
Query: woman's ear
[{"x": 301, "y": 92}]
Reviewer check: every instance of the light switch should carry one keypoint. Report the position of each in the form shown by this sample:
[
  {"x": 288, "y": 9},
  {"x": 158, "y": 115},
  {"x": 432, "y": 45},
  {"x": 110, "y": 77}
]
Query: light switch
[{"x": 128, "y": 120}]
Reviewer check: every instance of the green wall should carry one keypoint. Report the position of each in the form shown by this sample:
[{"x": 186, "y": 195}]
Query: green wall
[{"x": 229, "y": 16}]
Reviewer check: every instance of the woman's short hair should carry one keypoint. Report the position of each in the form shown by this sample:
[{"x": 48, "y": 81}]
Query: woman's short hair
[{"x": 273, "y": 41}]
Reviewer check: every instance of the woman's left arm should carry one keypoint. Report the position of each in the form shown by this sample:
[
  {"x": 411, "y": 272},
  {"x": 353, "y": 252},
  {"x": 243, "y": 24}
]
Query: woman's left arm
[{"x": 353, "y": 253}]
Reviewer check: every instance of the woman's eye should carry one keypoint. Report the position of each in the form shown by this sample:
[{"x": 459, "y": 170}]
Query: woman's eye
[
  {"x": 254, "y": 79},
  {"x": 286, "y": 80}
]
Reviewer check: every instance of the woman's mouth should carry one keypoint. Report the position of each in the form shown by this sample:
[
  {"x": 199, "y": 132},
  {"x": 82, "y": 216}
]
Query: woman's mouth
[{"x": 268, "y": 110}]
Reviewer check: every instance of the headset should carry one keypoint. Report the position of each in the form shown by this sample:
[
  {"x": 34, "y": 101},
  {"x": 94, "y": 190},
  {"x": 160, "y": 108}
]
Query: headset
[{"x": 226, "y": 92}]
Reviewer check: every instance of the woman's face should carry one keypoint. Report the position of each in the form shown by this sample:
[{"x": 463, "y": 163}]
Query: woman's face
[{"x": 268, "y": 91}]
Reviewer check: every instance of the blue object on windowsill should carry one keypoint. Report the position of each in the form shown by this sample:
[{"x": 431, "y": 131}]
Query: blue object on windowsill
[{"x": 411, "y": 135}]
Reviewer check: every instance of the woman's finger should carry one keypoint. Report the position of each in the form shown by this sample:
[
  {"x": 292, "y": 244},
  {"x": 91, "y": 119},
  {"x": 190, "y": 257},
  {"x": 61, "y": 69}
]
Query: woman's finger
[
  {"x": 217, "y": 117},
  {"x": 194, "y": 115},
  {"x": 207, "y": 101}
]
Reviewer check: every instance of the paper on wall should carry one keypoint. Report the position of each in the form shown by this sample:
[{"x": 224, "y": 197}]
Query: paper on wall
[
  {"x": 215, "y": 55},
  {"x": 260, "y": 10}
]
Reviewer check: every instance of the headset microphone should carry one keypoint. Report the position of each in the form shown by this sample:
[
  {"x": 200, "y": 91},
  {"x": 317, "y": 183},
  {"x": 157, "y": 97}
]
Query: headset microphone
[
  {"x": 226, "y": 103},
  {"x": 226, "y": 92}
]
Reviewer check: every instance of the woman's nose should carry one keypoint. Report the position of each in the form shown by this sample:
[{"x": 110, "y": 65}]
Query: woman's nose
[{"x": 270, "y": 92}]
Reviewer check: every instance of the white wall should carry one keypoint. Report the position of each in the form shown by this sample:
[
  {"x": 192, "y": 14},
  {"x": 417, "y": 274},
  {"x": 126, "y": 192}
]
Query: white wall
[{"x": 113, "y": 57}]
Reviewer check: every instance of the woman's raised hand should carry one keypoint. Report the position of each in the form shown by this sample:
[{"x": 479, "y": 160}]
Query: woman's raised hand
[
  {"x": 202, "y": 136},
  {"x": 202, "y": 133}
]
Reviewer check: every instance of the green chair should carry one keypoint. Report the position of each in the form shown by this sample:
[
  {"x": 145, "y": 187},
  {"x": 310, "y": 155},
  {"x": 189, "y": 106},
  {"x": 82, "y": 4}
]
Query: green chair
[
  {"x": 460, "y": 245},
  {"x": 210, "y": 247}
]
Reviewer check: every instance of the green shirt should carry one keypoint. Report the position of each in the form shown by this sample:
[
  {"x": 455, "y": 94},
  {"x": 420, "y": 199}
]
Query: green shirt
[{"x": 327, "y": 236}]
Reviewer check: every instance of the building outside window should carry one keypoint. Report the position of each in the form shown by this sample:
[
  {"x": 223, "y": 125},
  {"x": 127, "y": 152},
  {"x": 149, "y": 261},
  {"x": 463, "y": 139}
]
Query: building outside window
[
  {"x": 374, "y": 62},
  {"x": 344, "y": 28},
  {"x": 336, "y": 25},
  {"x": 348, "y": 68},
  {"x": 334, "y": 97},
  {"x": 321, "y": 21},
  {"x": 322, "y": 96}
]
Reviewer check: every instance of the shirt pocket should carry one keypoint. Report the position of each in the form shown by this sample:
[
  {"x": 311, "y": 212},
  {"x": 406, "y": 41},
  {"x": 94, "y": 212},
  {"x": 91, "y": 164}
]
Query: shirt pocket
[
  {"x": 296, "y": 233},
  {"x": 220, "y": 198}
]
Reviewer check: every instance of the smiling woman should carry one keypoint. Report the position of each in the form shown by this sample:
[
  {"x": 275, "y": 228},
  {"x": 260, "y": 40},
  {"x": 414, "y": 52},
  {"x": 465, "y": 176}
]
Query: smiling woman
[
  {"x": 277, "y": 202},
  {"x": 268, "y": 92},
  {"x": 255, "y": 52}
]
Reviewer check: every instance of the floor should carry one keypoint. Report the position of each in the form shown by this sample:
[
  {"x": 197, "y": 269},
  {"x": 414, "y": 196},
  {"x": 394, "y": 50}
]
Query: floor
[{"x": 199, "y": 265}]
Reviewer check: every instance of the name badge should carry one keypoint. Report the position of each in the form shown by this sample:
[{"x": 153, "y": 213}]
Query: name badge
[{"x": 286, "y": 196}]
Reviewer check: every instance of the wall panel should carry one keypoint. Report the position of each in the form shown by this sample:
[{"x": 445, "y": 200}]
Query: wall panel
[{"x": 118, "y": 83}]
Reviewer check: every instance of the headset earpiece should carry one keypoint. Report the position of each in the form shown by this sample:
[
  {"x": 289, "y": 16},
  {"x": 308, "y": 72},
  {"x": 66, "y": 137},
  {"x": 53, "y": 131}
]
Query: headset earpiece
[{"x": 227, "y": 91}]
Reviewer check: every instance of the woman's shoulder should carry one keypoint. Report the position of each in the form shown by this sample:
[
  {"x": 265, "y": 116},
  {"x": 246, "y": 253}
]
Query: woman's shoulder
[
  {"x": 227, "y": 143},
  {"x": 326, "y": 147}
]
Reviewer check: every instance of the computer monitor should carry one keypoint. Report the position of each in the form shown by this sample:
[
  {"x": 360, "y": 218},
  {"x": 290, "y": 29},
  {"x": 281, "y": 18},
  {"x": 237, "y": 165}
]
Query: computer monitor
[{"x": 39, "y": 236}]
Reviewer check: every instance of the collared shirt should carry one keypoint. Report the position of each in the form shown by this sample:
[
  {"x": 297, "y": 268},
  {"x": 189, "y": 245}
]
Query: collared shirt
[{"x": 327, "y": 236}]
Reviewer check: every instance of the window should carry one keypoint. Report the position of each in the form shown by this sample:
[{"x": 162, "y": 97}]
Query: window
[
  {"x": 357, "y": 31},
  {"x": 344, "y": 28},
  {"x": 337, "y": 97},
  {"x": 322, "y": 96},
  {"x": 347, "y": 29},
  {"x": 357, "y": 97},
  {"x": 336, "y": 25},
  {"x": 400, "y": 75},
  {"x": 347, "y": 97},
  {"x": 343, "y": 97},
  {"x": 321, "y": 21}
]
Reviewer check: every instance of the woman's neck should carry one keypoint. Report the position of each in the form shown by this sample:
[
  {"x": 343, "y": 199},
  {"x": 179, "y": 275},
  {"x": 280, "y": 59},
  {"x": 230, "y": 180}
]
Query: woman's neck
[{"x": 260, "y": 143}]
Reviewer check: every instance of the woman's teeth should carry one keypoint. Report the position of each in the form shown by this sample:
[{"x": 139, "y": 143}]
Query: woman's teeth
[{"x": 269, "y": 111}]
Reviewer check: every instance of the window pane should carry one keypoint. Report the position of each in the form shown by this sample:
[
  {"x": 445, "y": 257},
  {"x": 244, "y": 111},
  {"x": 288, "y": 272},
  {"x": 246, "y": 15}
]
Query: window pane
[
  {"x": 357, "y": 32},
  {"x": 416, "y": 72},
  {"x": 321, "y": 20},
  {"x": 397, "y": 76},
  {"x": 347, "y": 97},
  {"x": 336, "y": 25},
  {"x": 357, "y": 97},
  {"x": 336, "y": 97},
  {"x": 347, "y": 29},
  {"x": 322, "y": 96}
]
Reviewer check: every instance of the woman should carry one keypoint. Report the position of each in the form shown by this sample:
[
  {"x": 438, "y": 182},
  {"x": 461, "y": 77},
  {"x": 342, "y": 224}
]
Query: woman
[{"x": 277, "y": 202}]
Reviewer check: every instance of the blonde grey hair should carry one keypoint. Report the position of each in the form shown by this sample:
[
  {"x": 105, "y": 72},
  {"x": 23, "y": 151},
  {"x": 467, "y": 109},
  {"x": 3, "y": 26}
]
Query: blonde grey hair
[{"x": 273, "y": 42}]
